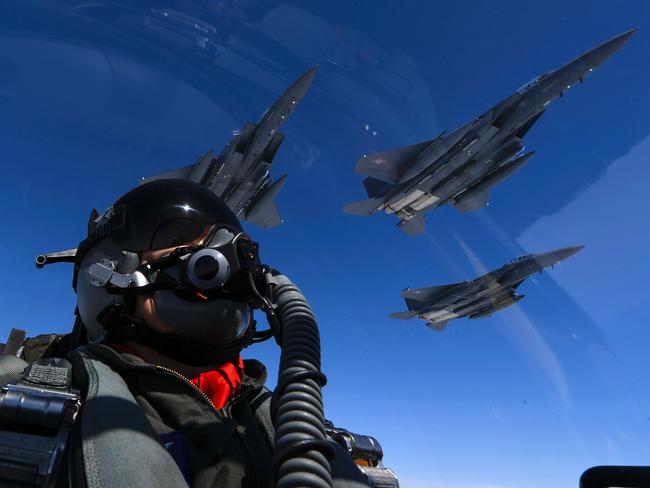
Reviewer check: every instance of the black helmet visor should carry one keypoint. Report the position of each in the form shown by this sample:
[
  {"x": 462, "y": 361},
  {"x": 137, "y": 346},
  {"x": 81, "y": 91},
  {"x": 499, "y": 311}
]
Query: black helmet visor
[{"x": 167, "y": 213}]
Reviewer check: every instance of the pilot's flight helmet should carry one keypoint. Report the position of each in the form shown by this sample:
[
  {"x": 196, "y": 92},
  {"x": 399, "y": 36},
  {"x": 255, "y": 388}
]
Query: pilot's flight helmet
[{"x": 197, "y": 290}]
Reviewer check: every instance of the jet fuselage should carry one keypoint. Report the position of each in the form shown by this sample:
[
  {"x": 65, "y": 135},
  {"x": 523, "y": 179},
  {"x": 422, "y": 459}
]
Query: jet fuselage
[
  {"x": 462, "y": 167},
  {"x": 480, "y": 297}
]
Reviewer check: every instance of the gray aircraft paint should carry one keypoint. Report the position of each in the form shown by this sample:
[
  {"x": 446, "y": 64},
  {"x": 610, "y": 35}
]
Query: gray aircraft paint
[
  {"x": 462, "y": 167},
  {"x": 480, "y": 297},
  {"x": 240, "y": 174}
]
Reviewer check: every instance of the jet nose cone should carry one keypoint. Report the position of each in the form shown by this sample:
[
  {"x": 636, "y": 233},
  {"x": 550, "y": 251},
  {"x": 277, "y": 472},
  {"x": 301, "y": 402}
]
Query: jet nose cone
[
  {"x": 567, "y": 252},
  {"x": 310, "y": 73},
  {"x": 302, "y": 84},
  {"x": 553, "y": 257},
  {"x": 602, "y": 53}
]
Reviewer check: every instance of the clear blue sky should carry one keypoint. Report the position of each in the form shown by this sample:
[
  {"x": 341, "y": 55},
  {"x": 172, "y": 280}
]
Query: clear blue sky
[{"x": 94, "y": 98}]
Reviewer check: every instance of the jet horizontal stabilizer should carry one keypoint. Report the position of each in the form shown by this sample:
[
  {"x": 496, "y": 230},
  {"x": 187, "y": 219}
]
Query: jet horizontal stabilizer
[
  {"x": 414, "y": 226},
  {"x": 386, "y": 165},
  {"x": 403, "y": 315},
  {"x": 363, "y": 207}
]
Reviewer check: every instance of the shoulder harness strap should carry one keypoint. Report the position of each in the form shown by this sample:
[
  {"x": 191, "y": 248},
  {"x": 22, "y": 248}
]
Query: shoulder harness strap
[
  {"x": 260, "y": 405},
  {"x": 114, "y": 431},
  {"x": 36, "y": 416},
  {"x": 14, "y": 345}
]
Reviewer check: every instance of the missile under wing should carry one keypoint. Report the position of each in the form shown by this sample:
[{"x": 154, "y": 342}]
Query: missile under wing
[
  {"x": 462, "y": 167},
  {"x": 240, "y": 173},
  {"x": 480, "y": 297}
]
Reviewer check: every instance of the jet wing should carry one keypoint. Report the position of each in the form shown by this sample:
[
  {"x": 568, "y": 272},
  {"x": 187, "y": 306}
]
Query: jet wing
[
  {"x": 417, "y": 298},
  {"x": 440, "y": 297},
  {"x": 177, "y": 174},
  {"x": 194, "y": 172},
  {"x": 385, "y": 165}
]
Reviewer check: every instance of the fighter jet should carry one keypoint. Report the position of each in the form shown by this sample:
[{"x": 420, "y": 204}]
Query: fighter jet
[
  {"x": 240, "y": 174},
  {"x": 480, "y": 297},
  {"x": 462, "y": 167}
]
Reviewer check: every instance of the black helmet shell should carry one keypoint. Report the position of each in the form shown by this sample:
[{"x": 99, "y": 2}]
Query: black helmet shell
[{"x": 167, "y": 213}]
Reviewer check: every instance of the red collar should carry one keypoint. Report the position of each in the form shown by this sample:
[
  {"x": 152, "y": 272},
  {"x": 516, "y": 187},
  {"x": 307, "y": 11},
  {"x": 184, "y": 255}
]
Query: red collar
[
  {"x": 222, "y": 383},
  {"x": 219, "y": 384}
]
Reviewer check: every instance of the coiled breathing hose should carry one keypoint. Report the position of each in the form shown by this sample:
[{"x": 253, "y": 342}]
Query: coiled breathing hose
[{"x": 301, "y": 452}]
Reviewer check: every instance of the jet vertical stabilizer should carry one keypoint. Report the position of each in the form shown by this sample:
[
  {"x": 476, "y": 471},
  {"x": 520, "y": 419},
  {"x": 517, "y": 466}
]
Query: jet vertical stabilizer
[{"x": 376, "y": 188}]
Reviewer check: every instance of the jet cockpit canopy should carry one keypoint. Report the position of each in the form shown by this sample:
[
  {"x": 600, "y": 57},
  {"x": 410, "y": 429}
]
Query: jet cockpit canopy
[{"x": 526, "y": 86}]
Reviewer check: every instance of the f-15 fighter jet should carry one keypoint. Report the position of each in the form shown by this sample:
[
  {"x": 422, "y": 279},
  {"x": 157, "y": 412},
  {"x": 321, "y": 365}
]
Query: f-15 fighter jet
[
  {"x": 240, "y": 174},
  {"x": 462, "y": 167},
  {"x": 480, "y": 297}
]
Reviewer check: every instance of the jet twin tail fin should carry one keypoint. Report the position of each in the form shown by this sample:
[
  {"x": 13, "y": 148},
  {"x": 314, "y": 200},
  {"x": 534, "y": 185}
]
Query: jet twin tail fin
[{"x": 377, "y": 188}]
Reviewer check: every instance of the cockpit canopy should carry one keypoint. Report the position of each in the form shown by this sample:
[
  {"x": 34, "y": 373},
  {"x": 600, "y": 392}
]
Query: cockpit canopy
[
  {"x": 522, "y": 258},
  {"x": 526, "y": 86}
]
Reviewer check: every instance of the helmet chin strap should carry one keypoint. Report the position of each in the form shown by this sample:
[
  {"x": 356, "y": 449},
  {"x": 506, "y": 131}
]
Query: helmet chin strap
[{"x": 122, "y": 327}]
